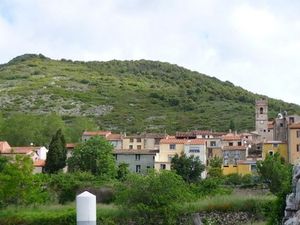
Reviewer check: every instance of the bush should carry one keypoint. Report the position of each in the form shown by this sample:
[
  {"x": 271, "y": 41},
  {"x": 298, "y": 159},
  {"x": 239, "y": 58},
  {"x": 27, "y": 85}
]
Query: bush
[
  {"x": 153, "y": 198},
  {"x": 210, "y": 187}
]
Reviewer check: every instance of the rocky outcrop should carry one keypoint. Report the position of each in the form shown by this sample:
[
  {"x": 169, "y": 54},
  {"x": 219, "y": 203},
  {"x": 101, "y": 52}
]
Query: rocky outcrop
[{"x": 292, "y": 210}]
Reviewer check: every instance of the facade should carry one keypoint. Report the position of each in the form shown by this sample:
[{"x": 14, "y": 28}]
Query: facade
[
  {"x": 272, "y": 147},
  {"x": 168, "y": 148},
  {"x": 294, "y": 143},
  {"x": 139, "y": 161},
  {"x": 261, "y": 118},
  {"x": 114, "y": 139}
]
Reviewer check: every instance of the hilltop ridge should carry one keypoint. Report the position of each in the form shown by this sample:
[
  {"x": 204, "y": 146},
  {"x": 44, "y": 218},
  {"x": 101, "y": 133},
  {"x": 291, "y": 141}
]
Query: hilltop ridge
[{"x": 130, "y": 96}]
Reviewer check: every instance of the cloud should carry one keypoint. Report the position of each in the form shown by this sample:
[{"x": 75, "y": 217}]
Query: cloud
[{"x": 254, "y": 44}]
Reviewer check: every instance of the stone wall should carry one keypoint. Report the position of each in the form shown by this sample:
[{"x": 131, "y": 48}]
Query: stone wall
[{"x": 292, "y": 210}]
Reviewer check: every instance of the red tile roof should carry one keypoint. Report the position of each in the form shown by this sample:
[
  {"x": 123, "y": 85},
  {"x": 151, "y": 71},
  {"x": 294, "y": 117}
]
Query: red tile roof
[
  {"x": 130, "y": 152},
  {"x": 114, "y": 137},
  {"x": 294, "y": 126},
  {"x": 23, "y": 150},
  {"x": 195, "y": 142},
  {"x": 231, "y": 137},
  {"x": 4, "y": 147},
  {"x": 71, "y": 145},
  {"x": 172, "y": 141},
  {"x": 39, "y": 163},
  {"x": 96, "y": 133},
  {"x": 233, "y": 148}
]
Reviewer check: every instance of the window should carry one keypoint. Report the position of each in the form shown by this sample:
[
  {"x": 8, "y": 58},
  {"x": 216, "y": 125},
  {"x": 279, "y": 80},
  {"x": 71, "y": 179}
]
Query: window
[
  {"x": 194, "y": 150},
  {"x": 156, "y": 141},
  {"x": 148, "y": 167},
  {"x": 138, "y": 140},
  {"x": 213, "y": 143},
  {"x": 298, "y": 148},
  {"x": 281, "y": 124},
  {"x": 230, "y": 143},
  {"x": 130, "y": 146},
  {"x": 269, "y": 130},
  {"x": 138, "y": 168},
  {"x": 116, "y": 156},
  {"x": 131, "y": 140},
  {"x": 298, "y": 133},
  {"x": 162, "y": 166},
  {"x": 210, "y": 153},
  {"x": 265, "y": 131},
  {"x": 261, "y": 110},
  {"x": 271, "y": 153},
  {"x": 275, "y": 145},
  {"x": 172, "y": 146},
  {"x": 137, "y": 157},
  {"x": 253, "y": 168},
  {"x": 291, "y": 120},
  {"x": 139, "y": 147},
  {"x": 239, "y": 143}
]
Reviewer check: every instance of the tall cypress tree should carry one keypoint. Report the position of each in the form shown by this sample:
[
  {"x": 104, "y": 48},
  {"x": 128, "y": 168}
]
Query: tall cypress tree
[{"x": 57, "y": 155}]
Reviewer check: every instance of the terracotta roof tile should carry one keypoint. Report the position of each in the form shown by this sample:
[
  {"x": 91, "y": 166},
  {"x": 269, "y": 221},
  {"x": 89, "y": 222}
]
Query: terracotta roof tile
[
  {"x": 233, "y": 148},
  {"x": 39, "y": 163},
  {"x": 113, "y": 137},
  {"x": 71, "y": 145},
  {"x": 172, "y": 141},
  {"x": 140, "y": 152},
  {"x": 195, "y": 141},
  {"x": 294, "y": 126},
  {"x": 96, "y": 133},
  {"x": 4, "y": 147},
  {"x": 231, "y": 137}
]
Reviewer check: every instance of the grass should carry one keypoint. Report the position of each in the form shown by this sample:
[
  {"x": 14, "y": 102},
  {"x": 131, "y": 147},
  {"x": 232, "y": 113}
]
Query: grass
[
  {"x": 66, "y": 214},
  {"x": 227, "y": 203}
]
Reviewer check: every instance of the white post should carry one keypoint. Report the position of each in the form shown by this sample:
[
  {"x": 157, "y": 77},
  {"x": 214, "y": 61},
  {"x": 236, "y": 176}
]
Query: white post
[{"x": 86, "y": 209}]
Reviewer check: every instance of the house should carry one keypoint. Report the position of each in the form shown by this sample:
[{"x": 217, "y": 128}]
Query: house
[
  {"x": 143, "y": 141},
  {"x": 138, "y": 161},
  {"x": 37, "y": 154},
  {"x": 197, "y": 148},
  {"x": 114, "y": 139},
  {"x": 168, "y": 148},
  {"x": 272, "y": 147},
  {"x": 294, "y": 143}
]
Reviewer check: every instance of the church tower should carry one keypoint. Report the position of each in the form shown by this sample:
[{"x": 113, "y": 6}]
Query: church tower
[{"x": 261, "y": 117}]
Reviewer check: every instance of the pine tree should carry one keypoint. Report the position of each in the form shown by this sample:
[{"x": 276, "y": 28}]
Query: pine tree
[{"x": 57, "y": 155}]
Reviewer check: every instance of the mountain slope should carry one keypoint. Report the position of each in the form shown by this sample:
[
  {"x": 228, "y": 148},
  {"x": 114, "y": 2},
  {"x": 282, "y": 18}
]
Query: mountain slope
[{"x": 130, "y": 96}]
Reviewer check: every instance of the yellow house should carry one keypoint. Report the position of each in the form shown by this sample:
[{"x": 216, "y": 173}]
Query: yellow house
[
  {"x": 243, "y": 167},
  {"x": 294, "y": 143},
  {"x": 168, "y": 148},
  {"x": 271, "y": 147}
]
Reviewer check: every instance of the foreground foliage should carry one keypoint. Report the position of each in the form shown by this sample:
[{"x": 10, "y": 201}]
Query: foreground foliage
[
  {"x": 277, "y": 174},
  {"x": 154, "y": 197},
  {"x": 94, "y": 156}
]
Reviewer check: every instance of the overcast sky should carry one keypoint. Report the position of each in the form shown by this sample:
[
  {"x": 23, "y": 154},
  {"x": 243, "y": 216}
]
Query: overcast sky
[{"x": 253, "y": 44}]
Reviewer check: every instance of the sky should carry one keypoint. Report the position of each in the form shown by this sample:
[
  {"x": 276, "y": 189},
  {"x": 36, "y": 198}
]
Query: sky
[{"x": 254, "y": 44}]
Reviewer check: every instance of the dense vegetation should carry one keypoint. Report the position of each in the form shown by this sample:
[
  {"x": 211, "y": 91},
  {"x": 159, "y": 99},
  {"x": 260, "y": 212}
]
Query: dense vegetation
[{"x": 131, "y": 96}]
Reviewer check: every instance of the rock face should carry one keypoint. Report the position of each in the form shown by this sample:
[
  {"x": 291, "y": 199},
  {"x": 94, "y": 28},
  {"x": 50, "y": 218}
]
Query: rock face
[{"x": 292, "y": 210}]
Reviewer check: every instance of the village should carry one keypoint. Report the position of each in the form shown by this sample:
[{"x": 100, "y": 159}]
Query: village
[{"x": 238, "y": 151}]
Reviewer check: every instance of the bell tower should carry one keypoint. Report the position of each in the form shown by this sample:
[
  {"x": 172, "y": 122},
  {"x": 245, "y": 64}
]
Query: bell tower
[{"x": 261, "y": 117}]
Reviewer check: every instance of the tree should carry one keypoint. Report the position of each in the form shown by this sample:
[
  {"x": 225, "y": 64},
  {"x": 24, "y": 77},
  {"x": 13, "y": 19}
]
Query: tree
[
  {"x": 153, "y": 197},
  {"x": 123, "y": 171},
  {"x": 189, "y": 168},
  {"x": 232, "y": 125},
  {"x": 278, "y": 176},
  {"x": 215, "y": 167},
  {"x": 95, "y": 156},
  {"x": 57, "y": 154},
  {"x": 17, "y": 183}
]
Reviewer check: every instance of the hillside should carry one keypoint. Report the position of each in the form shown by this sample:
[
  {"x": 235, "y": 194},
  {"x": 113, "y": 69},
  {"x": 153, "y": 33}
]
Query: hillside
[{"x": 131, "y": 96}]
